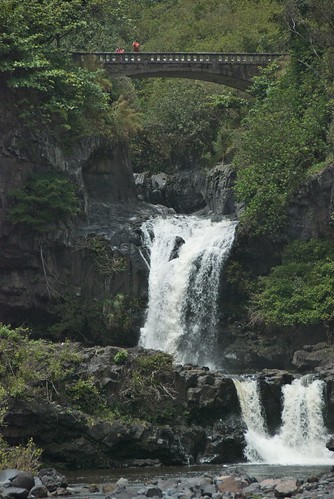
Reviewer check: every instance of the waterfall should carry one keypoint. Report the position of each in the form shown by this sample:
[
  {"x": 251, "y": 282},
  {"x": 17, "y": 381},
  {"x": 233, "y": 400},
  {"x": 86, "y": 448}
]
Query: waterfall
[
  {"x": 251, "y": 409},
  {"x": 187, "y": 254},
  {"x": 302, "y": 436}
]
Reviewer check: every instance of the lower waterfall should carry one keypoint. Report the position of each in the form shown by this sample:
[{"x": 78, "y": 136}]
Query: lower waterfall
[
  {"x": 302, "y": 436},
  {"x": 187, "y": 254}
]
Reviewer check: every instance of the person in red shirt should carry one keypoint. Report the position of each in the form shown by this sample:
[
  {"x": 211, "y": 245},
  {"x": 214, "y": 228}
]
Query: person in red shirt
[{"x": 136, "y": 46}]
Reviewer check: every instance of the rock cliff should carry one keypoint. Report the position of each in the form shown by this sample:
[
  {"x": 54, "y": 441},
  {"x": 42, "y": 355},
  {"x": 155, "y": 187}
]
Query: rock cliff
[
  {"x": 38, "y": 269},
  {"x": 35, "y": 272}
]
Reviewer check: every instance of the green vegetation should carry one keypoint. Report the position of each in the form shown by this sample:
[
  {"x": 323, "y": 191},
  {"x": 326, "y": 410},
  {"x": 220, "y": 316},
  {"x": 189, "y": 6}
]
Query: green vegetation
[
  {"x": 104, "y": 321},
  {"x": 106, "y": 261},
  {"x": 40, "y": 78},
  {"x": 147, "y": 392},
  {"x": 58, "y": 373},
  {"x": 20, "y": 457},
  {"x": 282, "y": 137},
  {"x": 275, "y": 140},
  {"x": 286, "y": 135},
  {"x": 34, "y": 367},
  {"x": 194, "y": 119},
  {"x": 207, "y": 26},
  {"x": 300, "y": 291},
  {"x": 46, "y": 371},
  {"x": 121, "y": 357},
  {"x": 44, "y": 202}
]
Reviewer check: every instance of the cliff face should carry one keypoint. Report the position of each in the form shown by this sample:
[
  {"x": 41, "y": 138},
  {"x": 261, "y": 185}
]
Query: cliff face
[
  {"x": 311, "y": 210},
  {"x": 35, "y": 270}
]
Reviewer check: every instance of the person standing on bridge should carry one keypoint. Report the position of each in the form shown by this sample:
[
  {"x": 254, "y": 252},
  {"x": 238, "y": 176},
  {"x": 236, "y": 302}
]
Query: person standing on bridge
[{"x": 136, "y": 46}]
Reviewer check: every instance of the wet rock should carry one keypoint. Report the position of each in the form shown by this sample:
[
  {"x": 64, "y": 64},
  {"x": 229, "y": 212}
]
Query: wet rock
[
  {"x": 219, "y": 194},
  {"x": 232, "y": 484},
  {"x": 153, "y": 492},
  {"x": 14, "y": 492},
  {"x": 39, "y": 491},
  {"x": 179, "y": 241},
  {"x": 252, "y": 489},
  {"x": 310, "y": 211},
  {"x": 286, "y": 487},
  {"x": 269, "y": 484},
  {"x": 182, "y": 191},
  {"x": 330, "y": 443},
  {"x": 52, "y": 479},
  {"x": 24, "y": 480},
  {"x": 93, "y": 488},
  {"x": 122, "y": 482},
  {"x": 8, "y": 474}
]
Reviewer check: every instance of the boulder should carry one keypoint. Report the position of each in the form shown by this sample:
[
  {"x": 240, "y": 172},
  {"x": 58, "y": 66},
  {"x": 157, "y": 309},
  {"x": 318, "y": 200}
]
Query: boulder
[
  {"x": 286, "y": 487},
  {"x": 14, "y": 492},
  {"x": 24, "y": 480},
  {"x": 52, "y": 479},
  {"x": 330, "y": 443}
]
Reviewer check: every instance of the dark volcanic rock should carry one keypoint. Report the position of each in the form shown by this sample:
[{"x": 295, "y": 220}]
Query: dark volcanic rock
[
  {"x": 182, "y": 191},
  {"x": 310, "y": 212},
  {"x": 219, "y": 193},
  {"x": 24, "y": 480},
  {"x": 320, "y": 355},
  {"x": 52, "y": 479}
]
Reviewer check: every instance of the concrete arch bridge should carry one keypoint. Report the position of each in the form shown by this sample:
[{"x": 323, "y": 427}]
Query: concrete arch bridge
[{"x": 235, "y": 70}]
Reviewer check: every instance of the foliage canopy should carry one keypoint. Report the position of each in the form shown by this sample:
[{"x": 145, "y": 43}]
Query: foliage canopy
[
  {"x": 301, "y": 290},
  {"x": 281, "y": 139},
  {"x": 48, "y": 89},
  {"x": 44, "y": 202}
]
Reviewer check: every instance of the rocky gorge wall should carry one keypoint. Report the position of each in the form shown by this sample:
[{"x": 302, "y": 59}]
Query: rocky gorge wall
[
  {"x": 37, "y": 269},
  {"x": 34, "y": 271}
]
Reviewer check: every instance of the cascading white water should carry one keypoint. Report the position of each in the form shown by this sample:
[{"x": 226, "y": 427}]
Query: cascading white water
[
  {"x": 302, "y": 437},
  {"x": 251, "y": 409},
  {"x": 187, "y": 254}
]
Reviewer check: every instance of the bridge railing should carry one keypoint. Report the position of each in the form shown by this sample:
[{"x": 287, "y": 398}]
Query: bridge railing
[{"x": 179, "y": 57}]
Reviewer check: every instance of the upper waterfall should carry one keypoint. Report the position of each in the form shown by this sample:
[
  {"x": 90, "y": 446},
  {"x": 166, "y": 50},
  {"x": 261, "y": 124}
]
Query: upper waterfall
[{"x": 187, "y": 254}]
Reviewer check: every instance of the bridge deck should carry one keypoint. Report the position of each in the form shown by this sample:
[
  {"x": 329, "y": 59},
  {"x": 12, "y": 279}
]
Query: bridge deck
[{"x": 180, "y": 57}]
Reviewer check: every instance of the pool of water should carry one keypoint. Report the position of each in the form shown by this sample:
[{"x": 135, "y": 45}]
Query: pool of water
[{"x": 258, "y": 471}]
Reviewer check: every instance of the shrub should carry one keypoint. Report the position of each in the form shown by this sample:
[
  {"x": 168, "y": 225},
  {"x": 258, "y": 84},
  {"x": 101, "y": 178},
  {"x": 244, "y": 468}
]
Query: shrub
[
  {"x": 301, "y": 290},
  {"x": 85, "y": 396},
  {"x": 148, "y": 391},
  {"x": 106, "y": 261},
  {"x": 21, "y": 457},
  {"x": 43, "y": 202},
  {"x": 121, "y": 357},
  {"x": 282, "y": 137}
]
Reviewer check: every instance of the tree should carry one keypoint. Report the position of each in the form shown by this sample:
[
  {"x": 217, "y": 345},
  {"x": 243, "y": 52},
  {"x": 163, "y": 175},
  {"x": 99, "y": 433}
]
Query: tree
[
  {"x": 281, "y": 140},
  {"x": 301, "y": 290},
  {"x": 189, "y": 115},
  {"x": 44, "y": 202},
  {"x": 36, "y": 68},
  {"x": 208, "y": 26}
]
